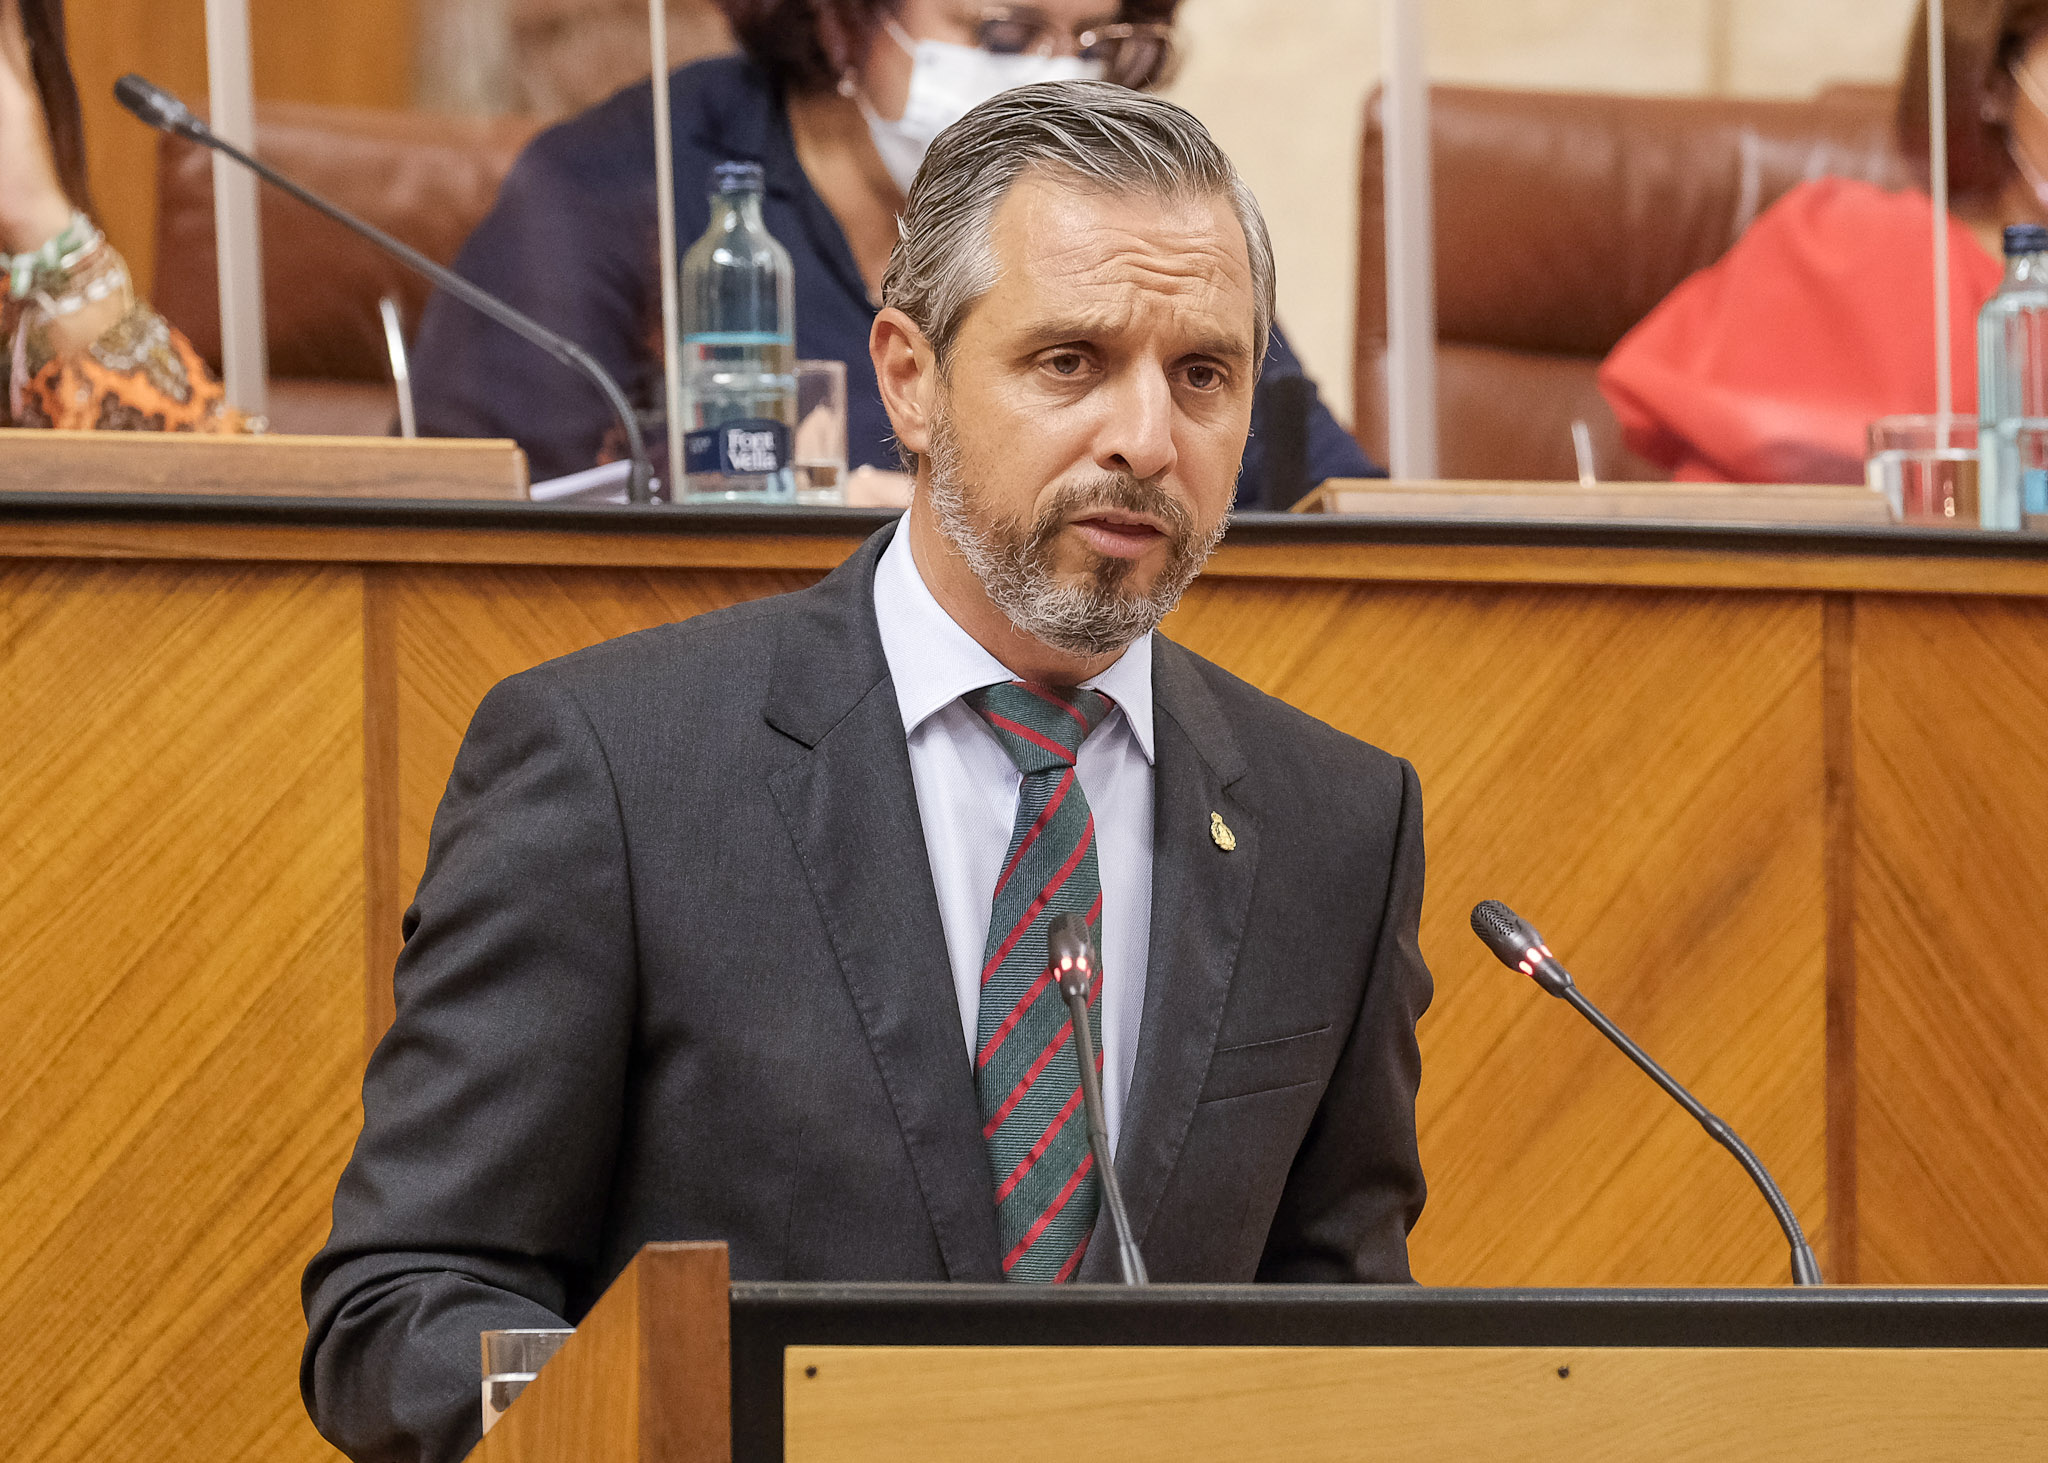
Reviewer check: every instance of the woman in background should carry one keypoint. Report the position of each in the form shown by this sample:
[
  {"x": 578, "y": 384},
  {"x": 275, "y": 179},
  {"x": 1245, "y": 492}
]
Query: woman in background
[
  {"x": 836, "y": 99},
  {"x": 82, "y": 351},
  {"x": 1769, "y": 365}
]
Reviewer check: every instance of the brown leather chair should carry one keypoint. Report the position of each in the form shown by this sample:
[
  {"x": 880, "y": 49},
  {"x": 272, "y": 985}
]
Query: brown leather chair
[
  {"x": 1560, "y": 221},
  {"x": 425, "y": 179}
]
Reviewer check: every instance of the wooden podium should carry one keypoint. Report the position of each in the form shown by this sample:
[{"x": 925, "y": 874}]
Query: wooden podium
[
  {"x": 1784, "y": 789},
  {"x": 675, "y": 1365}
]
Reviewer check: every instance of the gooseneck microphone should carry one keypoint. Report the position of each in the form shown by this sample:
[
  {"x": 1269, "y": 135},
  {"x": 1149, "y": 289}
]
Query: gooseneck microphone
[
  {"x": 166, "y": 113},
  {"x": 1519, "y": 947},
  {"x": 1072, "y": 958}
]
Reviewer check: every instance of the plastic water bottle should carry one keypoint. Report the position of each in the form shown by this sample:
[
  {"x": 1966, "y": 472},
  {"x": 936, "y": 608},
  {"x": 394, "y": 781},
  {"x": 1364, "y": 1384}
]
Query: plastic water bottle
[
  {"x": 2012, "y": 384},
  {"x": 739, "y": 352}
]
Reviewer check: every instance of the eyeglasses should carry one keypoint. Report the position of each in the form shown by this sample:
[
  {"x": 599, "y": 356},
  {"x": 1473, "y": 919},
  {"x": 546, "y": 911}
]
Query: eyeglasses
[{"x": 1137, "y": 54}]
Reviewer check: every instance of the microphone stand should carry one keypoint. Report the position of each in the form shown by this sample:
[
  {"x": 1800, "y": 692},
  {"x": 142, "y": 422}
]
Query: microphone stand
[
  {"x": 1805, "y": 1268},
  {"x": 1515, "y": 943},
  {"x": 1073, "y": 957},
  {"x": 157, "y": 107}
]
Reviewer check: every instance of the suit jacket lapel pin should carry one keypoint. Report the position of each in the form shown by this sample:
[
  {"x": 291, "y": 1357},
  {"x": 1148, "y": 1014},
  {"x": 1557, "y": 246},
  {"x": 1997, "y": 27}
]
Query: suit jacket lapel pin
[{"x": 1219, "y": 832}]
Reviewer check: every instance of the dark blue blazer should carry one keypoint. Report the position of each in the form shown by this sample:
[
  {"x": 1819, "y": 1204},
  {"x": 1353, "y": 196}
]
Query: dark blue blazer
[{"x": 571, "y": 241}]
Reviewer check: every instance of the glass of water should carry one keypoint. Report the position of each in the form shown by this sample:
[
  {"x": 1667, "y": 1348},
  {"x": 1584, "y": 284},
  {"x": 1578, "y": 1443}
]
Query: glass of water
[
  {"x": 821, "y": 432},
  {"x": 1927, "y": 469},
  {"x": 511, "y": 1360}
]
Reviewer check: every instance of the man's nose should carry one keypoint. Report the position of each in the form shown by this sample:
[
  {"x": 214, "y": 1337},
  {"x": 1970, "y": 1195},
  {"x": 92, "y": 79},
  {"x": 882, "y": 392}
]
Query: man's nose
[{"x": 1137, "y": 437}]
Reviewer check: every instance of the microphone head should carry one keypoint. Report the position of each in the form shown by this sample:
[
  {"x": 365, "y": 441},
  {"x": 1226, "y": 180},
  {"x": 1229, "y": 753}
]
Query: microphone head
[
  {"x": 1514, "y": 941},
  {"x": 1506, "y": 934},
  {"x": 1070, "y": 955},
  {"x": 159, "y": 108}
]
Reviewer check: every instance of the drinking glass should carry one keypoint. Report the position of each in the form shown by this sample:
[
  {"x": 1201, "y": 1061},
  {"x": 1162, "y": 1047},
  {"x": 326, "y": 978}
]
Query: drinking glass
[
  {"x": 1927, "y": 469},
  {"x": 511, "y": 1360},
  {"x": 821, "y": 432}
]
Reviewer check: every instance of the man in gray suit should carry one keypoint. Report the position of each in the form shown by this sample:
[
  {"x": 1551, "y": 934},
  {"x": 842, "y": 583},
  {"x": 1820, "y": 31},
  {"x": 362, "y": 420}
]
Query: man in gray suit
[{"x": 735, "y": 929}]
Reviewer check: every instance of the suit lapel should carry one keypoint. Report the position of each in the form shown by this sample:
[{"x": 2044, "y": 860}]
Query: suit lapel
[
  {"x": 1200, "y": 898},
  {"x": 851, "y": 810}
]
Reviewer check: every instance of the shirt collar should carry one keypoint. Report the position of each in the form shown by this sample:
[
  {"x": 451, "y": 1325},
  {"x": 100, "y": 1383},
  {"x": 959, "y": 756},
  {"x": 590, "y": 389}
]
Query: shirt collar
[{"x": 933, "y": 662}]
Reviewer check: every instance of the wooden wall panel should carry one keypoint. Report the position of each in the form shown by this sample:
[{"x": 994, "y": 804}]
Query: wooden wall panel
[
  {"x": 358, "y": 54},
  {"x": 165, "y": 40},
  {"x": 1952, "y": 1011},
  {"x": 354, "y": 55},
  {"x": 1644, "y": 772},
  {"x": 1664, "y": 827},
  {"x": 180, "y": 1021},
  {"x": 1674, "y": 848},
  {"x": 456, "y": 632}
]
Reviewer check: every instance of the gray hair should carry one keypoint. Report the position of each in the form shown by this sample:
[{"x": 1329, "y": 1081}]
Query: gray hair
[{"x": 1107, "y": 136}]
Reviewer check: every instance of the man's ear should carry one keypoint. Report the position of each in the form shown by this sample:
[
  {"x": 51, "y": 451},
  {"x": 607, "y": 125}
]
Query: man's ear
[{"x": 908, "y": 373}]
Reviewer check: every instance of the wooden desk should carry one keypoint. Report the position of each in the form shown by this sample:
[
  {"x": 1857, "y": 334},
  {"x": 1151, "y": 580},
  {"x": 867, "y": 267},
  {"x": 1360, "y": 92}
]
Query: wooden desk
[
  {"x": 675, "y": 1365},
  {"x": 181, "y": 464},
  {"x": 1780, "y": 799}
]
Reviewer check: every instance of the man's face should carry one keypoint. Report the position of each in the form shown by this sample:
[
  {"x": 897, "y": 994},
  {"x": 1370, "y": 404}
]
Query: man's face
[{"x": 1088, "y": 430}]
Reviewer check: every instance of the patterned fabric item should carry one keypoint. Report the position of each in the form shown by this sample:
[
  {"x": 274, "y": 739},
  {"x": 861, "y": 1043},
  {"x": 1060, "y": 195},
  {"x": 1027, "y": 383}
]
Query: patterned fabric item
[
  {"x": 139, "y": 375},
  {"x": 1025, "y": 1072}
]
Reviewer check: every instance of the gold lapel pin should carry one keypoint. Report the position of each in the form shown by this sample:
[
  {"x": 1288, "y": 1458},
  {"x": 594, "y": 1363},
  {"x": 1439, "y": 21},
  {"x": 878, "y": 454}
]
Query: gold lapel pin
[{"x": 1220, "y": 832}]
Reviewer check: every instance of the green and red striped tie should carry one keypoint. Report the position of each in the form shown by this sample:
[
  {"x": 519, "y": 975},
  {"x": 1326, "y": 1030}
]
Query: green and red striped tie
[{"x": 1030, "y": 1085}]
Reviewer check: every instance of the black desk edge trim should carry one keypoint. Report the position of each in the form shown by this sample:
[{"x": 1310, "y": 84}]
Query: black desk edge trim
[{"x": 1246, "y": 528}]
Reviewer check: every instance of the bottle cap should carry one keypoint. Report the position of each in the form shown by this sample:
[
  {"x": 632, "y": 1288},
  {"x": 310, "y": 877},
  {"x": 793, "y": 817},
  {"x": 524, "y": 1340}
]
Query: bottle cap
[
  {"x": 748, "y": 178},
  {"x": 2025, "y": 239}
]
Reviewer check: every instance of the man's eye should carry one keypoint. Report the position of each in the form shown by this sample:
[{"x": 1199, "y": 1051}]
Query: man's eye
[
  {"x": 1204, "y": 378},
  {"x": 1067, "y": 363}
]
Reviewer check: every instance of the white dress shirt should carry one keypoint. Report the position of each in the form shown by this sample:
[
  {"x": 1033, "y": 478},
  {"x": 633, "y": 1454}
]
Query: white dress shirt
[{"x": 967, "y": 791}]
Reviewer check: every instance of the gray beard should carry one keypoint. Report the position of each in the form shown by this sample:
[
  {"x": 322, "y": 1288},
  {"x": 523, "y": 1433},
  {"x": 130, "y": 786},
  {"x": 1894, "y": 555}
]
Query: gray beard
[{"x": 1014, "y": 561}]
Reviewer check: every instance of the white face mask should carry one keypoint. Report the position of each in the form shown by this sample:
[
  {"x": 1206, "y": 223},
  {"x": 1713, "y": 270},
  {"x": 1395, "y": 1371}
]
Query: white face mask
[{"x": 946, "y": 83}]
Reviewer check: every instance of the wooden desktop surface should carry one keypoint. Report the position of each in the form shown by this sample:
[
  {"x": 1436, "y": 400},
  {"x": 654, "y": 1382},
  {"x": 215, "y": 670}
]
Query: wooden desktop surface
[
  {"x": 1780, "y": 800},
  {"x": 1400, "y": 1404}
]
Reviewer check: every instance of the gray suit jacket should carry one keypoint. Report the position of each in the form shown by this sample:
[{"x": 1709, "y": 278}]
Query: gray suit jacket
[{"x": 675, "y": 971}]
